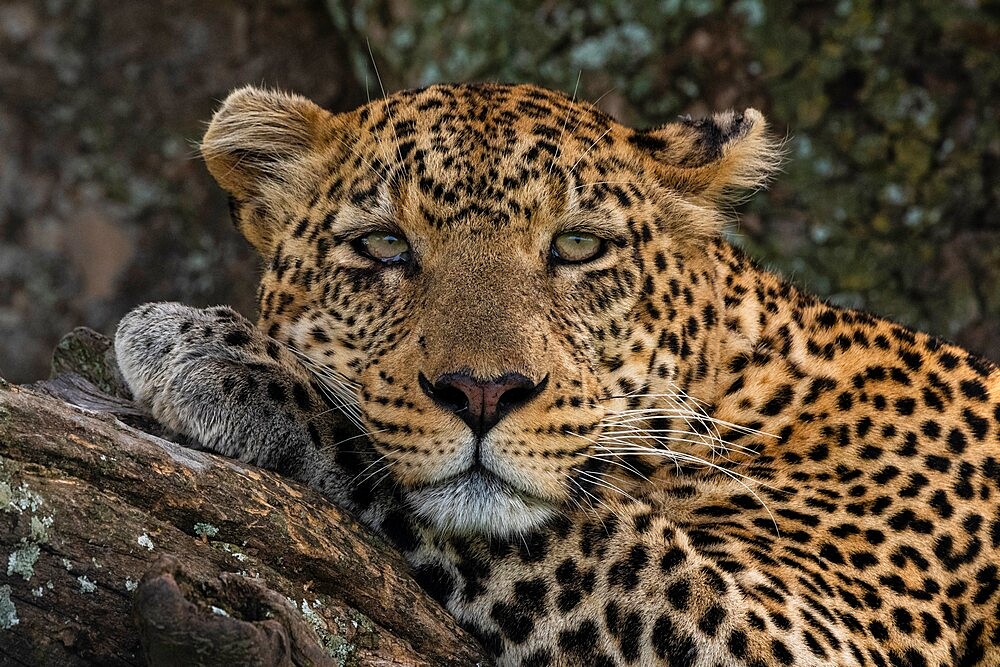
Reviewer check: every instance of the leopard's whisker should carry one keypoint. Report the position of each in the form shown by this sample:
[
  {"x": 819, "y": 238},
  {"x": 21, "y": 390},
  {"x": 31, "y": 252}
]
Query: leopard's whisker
[
  {"x": 631, "y": 425},
  {"x": 584, "y": 497},
  {"x": 348, "y": 410},
  {"x": 593, "y": 105},
  {"x": 675, "y": 456},
  {"x": 636, "y": 428},
  {"x": 576, "y": 504},
  {"x": 323, "y": 413},
  {"x": 742, "y": 430},
  {"x": 338, "y": 381},
  {"x": 381, "y": 479},
  {"x": 353, "y": 148},
  {"x": 600, "y": 502},
  {"x": 321, "y": 368},
  {"x": 641, "y": 423},
  {"x": 687, "y": 416},
  {"x": 341, "y": 392},
  {"x": 742, "y": 480},
  {"x": 673, "y": 437},
  {"x": 594, "y": 477},
  {"x": 635, "y": 440},
  {"x": 388, "y": 111},
  {"x": 590, "y": 148},
  {"x": 661, "y": 443},
  {"x": 351, "y": 411},
  {"x": 380, "y": 469},
  {"x": 739, "y": 478},
  {"x": 625, "y": 446},
  {"x": 662, "y": 414},
  {"x": 348, "y": 439},
  {"x": 562, "y": 130},
  {"x": 345, "y": 393},
  {"x": 621, "y": 464},
  {"x": 673, "y": 397},
  {"x": 368, "y": 467}
]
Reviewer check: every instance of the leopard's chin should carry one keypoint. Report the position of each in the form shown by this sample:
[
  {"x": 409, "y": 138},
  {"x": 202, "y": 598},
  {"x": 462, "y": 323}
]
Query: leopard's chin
[{"x": 479, "y": 503}]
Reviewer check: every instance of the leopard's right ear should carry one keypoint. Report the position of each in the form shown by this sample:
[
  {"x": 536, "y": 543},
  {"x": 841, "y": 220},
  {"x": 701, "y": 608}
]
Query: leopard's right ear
[{"x": 259, "y": 147}]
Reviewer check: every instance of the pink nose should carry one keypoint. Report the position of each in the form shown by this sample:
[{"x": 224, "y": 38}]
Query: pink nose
[{"x": 481, "y": 403}]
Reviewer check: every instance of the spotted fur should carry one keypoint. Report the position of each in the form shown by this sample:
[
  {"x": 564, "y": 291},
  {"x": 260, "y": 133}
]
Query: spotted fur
[{"x": 716, "y": 468}]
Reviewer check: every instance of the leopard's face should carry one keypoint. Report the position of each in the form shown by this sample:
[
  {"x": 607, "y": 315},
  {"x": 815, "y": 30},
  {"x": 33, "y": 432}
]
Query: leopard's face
[{"x": 475, "y": 271}]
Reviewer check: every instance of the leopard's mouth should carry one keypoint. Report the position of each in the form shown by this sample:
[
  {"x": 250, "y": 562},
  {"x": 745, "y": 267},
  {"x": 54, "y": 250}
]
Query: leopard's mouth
[
  {"x": 478, "y": 474},
  {"x": 478, "y": 501}
]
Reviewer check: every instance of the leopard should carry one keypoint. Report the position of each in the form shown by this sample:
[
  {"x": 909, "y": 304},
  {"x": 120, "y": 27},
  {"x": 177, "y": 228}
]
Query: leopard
[{"x": 597, "y": 430}]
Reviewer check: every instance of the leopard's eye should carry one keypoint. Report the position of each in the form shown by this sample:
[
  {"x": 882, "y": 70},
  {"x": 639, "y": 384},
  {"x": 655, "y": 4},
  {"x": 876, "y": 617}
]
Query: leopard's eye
[
  {"x": 577, "y": 247},
  {"x": 385, "y": 247}
]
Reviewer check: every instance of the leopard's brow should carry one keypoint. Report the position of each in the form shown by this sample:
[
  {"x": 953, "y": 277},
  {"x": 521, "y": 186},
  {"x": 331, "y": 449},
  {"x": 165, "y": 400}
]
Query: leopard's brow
[
  {"x": 606, "y": 223},
  {"x": 352, "y": 219}
]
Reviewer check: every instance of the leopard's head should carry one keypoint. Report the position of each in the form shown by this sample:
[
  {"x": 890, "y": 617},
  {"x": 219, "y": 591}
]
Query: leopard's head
[{"x": 485, "y": 276}]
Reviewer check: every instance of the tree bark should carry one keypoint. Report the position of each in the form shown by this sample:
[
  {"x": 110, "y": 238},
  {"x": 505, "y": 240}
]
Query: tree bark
[{"x": 123, "y": 548}]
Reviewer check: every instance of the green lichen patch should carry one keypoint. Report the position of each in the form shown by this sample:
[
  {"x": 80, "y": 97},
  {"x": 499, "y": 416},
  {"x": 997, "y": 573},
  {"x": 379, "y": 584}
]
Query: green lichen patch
[
  {"x": 359, "y": 627},
  {"x": 22, "y": 561},
  {"x": 21, "y": 500},
  {"x": 86, "y": 585},
  {"x": 18, "y": 498},
  {"x": 40, "y": 528},
  {"x": 146, "y": 542},
  {"x": 205, "y": 530},
  {"x": 335, "y": 644},
  {"x": 8, "y": 612}
]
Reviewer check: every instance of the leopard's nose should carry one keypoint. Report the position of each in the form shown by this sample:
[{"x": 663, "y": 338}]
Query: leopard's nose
[{"x": 481, "y": 403}]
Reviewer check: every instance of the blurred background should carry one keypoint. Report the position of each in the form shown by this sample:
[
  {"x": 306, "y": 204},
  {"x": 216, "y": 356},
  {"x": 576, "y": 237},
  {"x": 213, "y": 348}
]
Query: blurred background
[{"x": 888, "y": 201}]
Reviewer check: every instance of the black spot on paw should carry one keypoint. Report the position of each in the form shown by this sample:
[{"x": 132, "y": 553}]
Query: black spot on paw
[
  {"x": 276, "y": 392},
  {"x": 301, "y": 397},
  {"x": 237, "y": 338}
]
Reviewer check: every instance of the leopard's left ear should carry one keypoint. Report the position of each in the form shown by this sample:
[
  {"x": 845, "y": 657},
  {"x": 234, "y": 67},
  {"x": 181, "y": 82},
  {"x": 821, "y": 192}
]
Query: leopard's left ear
[{"x": 713, "y": 157}]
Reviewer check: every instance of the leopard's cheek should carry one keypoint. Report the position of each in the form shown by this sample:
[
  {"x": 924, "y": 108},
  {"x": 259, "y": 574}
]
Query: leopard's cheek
[{"x": 342, "y": 321}]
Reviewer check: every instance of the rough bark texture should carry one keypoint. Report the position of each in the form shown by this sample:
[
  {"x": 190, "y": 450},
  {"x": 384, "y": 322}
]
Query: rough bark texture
[{"x": 124, "y": 548}]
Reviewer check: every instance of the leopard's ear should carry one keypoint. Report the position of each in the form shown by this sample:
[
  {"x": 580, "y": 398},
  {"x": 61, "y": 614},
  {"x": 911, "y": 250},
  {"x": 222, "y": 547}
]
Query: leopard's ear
[
  {"x": 713, "y": 157},
  {"x": 259, "y": 147}
]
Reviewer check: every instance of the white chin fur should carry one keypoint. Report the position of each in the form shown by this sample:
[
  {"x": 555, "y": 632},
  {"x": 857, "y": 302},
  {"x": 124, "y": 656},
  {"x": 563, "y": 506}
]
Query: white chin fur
[{"x": 478, "y": 504}]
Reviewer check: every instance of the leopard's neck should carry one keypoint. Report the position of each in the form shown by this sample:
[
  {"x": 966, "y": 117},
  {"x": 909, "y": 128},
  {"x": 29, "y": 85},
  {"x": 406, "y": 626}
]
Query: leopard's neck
[{"x": 795, "y": 367}]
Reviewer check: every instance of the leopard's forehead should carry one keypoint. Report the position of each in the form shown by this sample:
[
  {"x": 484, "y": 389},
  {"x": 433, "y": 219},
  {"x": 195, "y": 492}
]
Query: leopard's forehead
[
  {"x": 496, "y": 152},
  {"x": 484, "y": 118}
]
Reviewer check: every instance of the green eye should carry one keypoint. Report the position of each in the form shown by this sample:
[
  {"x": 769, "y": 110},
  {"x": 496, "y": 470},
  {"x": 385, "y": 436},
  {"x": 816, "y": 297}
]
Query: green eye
[
  {"x": 576, "y": 247},
  {"x": 385, "y": 247}
]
